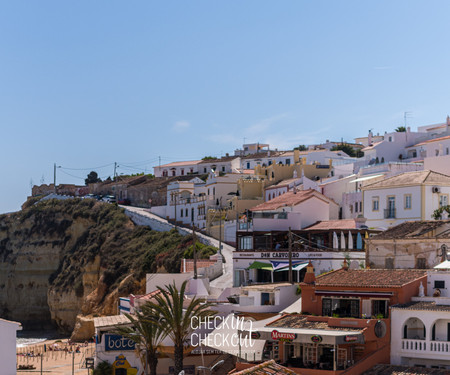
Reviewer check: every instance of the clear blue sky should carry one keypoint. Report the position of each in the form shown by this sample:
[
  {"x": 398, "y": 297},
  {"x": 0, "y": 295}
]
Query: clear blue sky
[{"x": 88, "y": 83}]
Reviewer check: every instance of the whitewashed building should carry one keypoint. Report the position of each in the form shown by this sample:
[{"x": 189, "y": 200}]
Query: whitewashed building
[
  {"x": 405, "y": 197},
  {"x": 8, "y": 334},
  {"x": 420, "y": 333}
]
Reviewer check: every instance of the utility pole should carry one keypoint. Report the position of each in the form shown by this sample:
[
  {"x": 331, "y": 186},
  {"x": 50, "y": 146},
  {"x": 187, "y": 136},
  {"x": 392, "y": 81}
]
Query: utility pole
[
  {"x": 54, "y": 176},
  {"x": 220, "y": 231},
  {"x": 115, "y": 167},
  {"x": 195, "y": 251},
  {"x": 290, "y": 256},
  {"x": 175, "y": 197}
]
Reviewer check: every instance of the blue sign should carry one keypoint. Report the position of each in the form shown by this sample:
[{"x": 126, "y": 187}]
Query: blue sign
[{"x": 118, "y": 343}]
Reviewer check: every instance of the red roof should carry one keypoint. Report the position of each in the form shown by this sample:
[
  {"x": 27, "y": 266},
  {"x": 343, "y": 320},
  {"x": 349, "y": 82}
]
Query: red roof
[
  {"x": 433, "y": 140},
  {"x": 290, "y": 199},
  {"x": 370, "y": 278}
]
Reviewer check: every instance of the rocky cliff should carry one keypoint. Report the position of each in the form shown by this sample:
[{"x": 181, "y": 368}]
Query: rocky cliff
[{"x": 64, "y": 262}]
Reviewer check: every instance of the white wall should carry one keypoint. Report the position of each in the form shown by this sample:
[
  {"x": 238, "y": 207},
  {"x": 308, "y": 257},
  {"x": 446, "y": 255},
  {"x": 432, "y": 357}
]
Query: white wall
[
  {"x": 294, "y": 220},
  {"x": 8, "y": 332},
  {"x": 313, "y": 210},
  {"x": 439, "y": 164},
  {"x": 376, "y": 218},
  {"x": 153, "y": 280}
]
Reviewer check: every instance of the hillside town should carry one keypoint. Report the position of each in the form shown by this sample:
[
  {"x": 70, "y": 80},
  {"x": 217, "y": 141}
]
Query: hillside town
[{"x": 332, "y": 259}]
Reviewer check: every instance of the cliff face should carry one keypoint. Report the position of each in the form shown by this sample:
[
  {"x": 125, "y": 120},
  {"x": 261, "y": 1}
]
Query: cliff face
[{"x": 63, "y": 262}]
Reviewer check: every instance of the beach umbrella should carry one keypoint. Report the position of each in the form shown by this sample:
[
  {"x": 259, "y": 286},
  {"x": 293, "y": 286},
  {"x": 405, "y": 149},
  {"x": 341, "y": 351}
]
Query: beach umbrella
[
  {"x": 342, "y": 241},
  {"x": 335, "y": 241},
  {"x": 359, "y": 245},
  {"x": 350, "y": 240}
]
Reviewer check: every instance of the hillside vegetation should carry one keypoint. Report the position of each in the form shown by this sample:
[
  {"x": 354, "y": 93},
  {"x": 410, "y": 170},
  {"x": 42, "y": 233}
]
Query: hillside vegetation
[{"x": 82, "y": 254}]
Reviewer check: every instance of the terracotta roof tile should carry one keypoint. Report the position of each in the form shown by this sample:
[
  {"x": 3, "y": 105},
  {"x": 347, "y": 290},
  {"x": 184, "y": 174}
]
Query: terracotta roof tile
[
  {"x": 289, "y": 199},
  {"x": 416, "y": 229},
  {"x": 433, "y": 140},
  {"x": 266, "y": 368},
  {"x": 181, "y": 163},
  {"x": 423, "y": 305},
  {"x": 369, "y": 278},
  {"x": 302, "y": 321},
  {"x": 404, "y": 370},
  {"x": 345, "y": 224},
  {"x": 411, "y": 178}
]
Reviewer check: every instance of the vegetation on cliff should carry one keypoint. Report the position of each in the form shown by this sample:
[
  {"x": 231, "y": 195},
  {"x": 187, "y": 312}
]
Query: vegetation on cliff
[{"x": 86, "y": 248}]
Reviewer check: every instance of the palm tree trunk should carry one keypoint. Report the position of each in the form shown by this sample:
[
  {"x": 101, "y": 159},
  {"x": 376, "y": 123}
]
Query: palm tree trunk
[
  {"x": 153, "y": 364},
  {"x": 178, "y": 352}
]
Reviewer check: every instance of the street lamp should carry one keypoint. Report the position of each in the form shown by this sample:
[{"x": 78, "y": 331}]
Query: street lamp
[{"x": 212, "y": 368}]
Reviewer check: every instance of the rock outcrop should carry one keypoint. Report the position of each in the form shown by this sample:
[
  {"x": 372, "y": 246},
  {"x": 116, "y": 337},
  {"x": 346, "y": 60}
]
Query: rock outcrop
[{"x": 64, "y": 262}]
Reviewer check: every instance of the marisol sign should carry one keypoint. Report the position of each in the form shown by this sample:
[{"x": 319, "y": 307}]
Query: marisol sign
[{"x": 116, "y": 342}]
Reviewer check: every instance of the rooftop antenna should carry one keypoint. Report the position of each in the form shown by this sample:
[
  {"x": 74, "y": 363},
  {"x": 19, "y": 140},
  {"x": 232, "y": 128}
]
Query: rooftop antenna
[{"x": 406, "y": 116}]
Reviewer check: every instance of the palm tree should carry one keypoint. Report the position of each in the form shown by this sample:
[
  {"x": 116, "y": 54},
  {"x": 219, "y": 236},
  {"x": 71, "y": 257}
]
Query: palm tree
[
  {"x": 175, "y": 320},
  {"x": 147, "y": 336}
]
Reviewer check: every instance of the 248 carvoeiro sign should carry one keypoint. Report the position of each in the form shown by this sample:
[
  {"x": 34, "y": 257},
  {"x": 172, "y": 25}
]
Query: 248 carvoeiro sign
[{"x": 118, "y": 343}]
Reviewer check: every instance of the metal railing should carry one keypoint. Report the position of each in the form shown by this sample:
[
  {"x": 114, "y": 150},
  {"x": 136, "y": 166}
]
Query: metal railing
[{"x": 389, "y": 213}]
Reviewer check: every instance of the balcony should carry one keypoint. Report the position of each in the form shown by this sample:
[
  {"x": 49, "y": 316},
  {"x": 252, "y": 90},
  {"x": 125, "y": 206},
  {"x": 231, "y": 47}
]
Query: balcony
[
  {"x": 425, "y": 347},
  {"x": 390, "y": 213}
]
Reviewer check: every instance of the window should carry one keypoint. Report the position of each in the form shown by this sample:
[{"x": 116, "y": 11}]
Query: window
[
  {"x": 288, "y": 161},
  {"x": 182, "y": 171},
  {"x": 181, "y": 213},
  {"x": 379, "y": 307},
  {"x": 443, "y": 200},
  {"x": 186, "y": 212},
  {"x": 204, "y": 170},
  {"x": 248, "y": 165},
  {"x": 375, "y": 203},
  {"x": 245, "y": 243},
  {"x": 439, "y": 284},
  {"x": 360, "y": 206},
  {"x": 340, "y": 307},
  {"x": 390, "y": 139},
  {"x": 326, "y": 306},
  {"x": 436, "y": 152},
  {"x": 421, "y": 263},
  {"x": 356, "y": 206},
  {"x": 407, "y": 201},
  {"x": 389, "y": 263},
  {"x": 270, "y": 162},
  {"x": 223, "y": 169}
]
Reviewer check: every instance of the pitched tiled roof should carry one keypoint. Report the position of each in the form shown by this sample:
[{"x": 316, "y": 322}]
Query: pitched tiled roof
[
  {"x": 301, "y": 321},
  {"x": 404, "y": 370},
  {"x": 181, "y": 163},
  {"x": 415, "y": 229},
  {"x": 369, "y": 278},
  {"x": 110, "y": 321},
  {"x": 345, "y": 224},
  {"x": 290, "y": 199},
  {"x": 265, "y": 368},
  {"x": 433, "y": 140},
  {"x": 411, "y": 178},
  {"x": 423, "y": 305}
]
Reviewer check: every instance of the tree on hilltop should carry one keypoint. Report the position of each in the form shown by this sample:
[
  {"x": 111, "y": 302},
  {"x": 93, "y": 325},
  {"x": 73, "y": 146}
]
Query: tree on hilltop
[{"x": 92, "y": 178}]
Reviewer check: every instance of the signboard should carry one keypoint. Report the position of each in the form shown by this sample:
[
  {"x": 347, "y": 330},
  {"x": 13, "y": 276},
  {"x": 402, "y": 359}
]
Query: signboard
[
  {"x": 349, "y": 338},
  {"x": 296, "y": 255},
  {"x": 118, "y": 343},
  {"x": 89, "y": 363},
  {"x": 283, "y": 336},
  {"x": 316, "y": 338},
  {"x": 255, "y": 335}
]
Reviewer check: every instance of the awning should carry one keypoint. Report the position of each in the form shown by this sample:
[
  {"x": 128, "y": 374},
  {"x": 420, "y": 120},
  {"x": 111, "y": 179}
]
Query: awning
[
  {"x": 339, "y": 293},
  {"x": 284, "y": 266},
  {"x": 443, "y": 266},
  {"x": 366, "y": 178},
  {"x": 261, "y": 266},
  {"x": 307, "y": 335}
]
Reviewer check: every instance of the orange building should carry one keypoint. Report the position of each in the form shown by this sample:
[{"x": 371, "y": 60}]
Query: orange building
[{"x": 344, "y": 325}]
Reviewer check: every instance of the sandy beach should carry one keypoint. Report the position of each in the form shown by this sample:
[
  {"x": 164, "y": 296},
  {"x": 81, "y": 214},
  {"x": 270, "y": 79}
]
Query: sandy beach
[{"x": 55, "y": 356}]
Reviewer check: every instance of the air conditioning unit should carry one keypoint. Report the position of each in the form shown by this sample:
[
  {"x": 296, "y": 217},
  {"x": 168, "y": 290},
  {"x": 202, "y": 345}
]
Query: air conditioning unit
[{"x": 435, "y": 189}]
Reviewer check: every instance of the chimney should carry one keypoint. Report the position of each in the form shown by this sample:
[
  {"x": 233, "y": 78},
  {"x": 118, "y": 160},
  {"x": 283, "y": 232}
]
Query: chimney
[
  {"x": 310, "y": 277},
  {"x": 369, "y": 138},
  {"x": 345, "y": 265}
]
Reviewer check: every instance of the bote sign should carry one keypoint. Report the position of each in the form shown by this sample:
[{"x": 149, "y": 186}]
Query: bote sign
[
  {"x": 120, "y": 343},
  {"x": 283, "y": 336}
]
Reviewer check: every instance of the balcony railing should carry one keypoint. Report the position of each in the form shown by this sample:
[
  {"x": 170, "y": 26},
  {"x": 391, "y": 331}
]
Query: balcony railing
[
  {"x": 422, "y": 346},
  {"x": 389, "y": 213}
]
